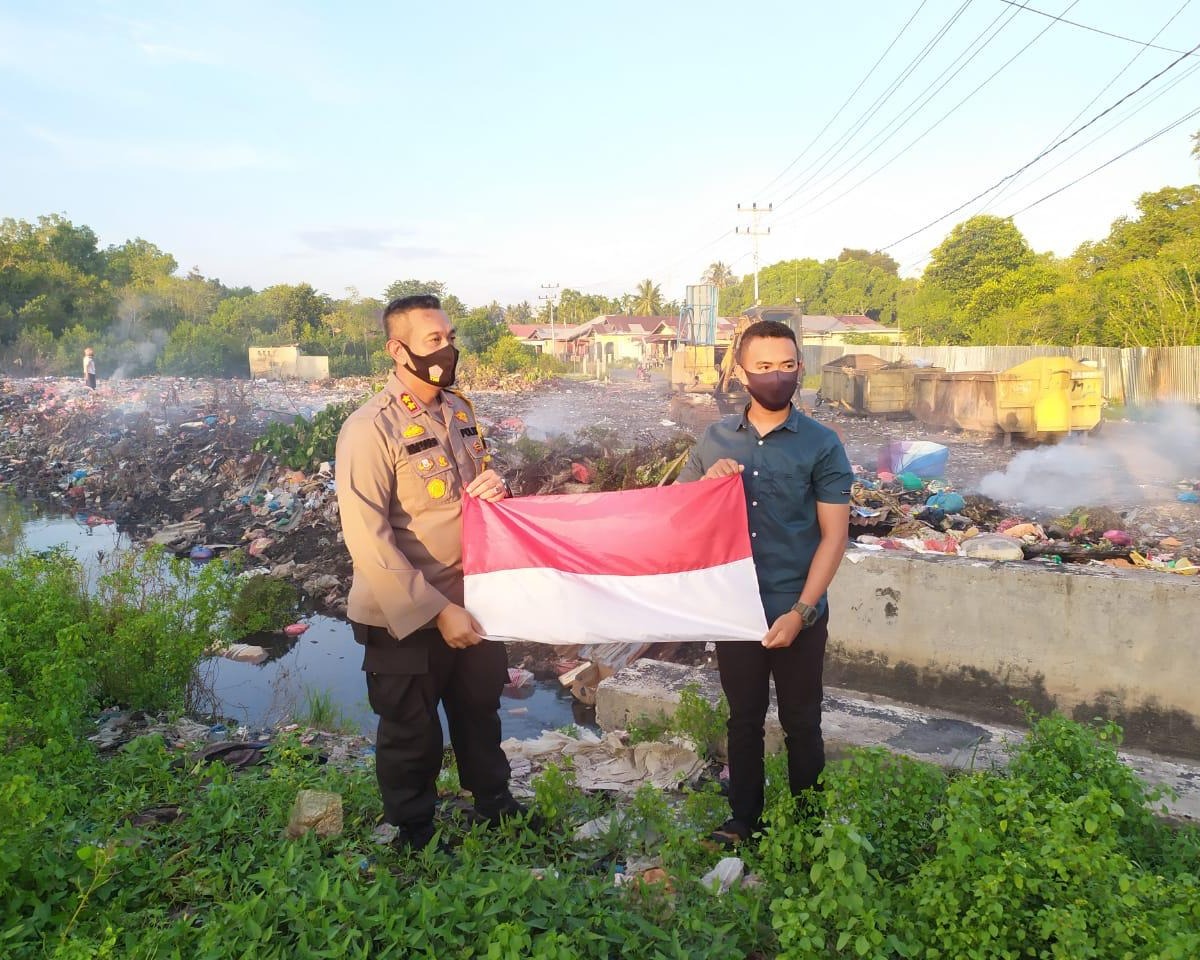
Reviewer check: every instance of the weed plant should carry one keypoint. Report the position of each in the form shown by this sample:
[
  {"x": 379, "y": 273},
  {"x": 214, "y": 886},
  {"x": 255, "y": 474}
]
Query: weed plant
[{"x": 1059, "y": 854}]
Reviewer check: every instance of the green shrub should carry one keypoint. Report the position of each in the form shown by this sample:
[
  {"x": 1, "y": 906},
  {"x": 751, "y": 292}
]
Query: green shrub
[
  {"x": 151, "y": 620},
  {"x": 304, "y": 444},
  {"x": 263, "y": 604}
]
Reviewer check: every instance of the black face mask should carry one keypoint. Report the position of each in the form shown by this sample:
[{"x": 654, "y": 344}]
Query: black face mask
[
  {"x": 773, "y": 390},
  {"x": 437, "y": 368}
]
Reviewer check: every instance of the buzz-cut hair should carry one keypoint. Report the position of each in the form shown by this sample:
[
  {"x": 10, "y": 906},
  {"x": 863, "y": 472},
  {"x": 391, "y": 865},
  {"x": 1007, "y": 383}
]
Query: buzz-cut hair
[
  {"x": 403, "y": 305},
  {"x": 769, "y": 330}
]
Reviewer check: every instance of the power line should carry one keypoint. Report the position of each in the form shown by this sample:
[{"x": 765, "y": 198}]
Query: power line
[
  {"x": 1167, "y": 88},
  {"x": 1078, "y": 130},
  {"x": 856, "y": 126},
  {"x": 837, "y": 113},
  {"x": 1084, "y": 26},
  {"x": 905, "y": 120},
  {"x": 887, "y": 163},
  {"x": 1108, "y": 163},
  {"x": 1087, "y": 106},
  {"x": 1004, "y": 66}
]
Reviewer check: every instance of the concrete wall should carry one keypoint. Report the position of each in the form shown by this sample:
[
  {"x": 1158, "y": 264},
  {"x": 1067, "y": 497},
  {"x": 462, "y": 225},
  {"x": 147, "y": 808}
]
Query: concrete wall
[
  {"x": 973, "y": 637},
  {"x": 286, "y": 363}
]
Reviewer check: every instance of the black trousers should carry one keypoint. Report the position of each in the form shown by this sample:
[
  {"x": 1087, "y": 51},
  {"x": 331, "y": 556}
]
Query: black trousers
[
  {"x": 91, "y": 380},
  {"x": 746, "y": 671},
  {"x": 406, "y": 679}
]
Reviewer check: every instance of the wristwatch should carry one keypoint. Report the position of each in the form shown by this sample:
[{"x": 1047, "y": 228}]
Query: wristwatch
[{"x": 808, "y": 614}]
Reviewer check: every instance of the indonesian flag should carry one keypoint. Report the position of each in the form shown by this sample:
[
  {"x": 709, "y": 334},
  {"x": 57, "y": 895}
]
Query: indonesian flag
[{"x": 636, "y": 566}]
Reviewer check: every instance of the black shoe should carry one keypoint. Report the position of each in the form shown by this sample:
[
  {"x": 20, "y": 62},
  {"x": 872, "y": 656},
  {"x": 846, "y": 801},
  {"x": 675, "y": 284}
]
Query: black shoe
[
  {"x": 731, "y": 833},
  {"x": 414, "y": 838}
]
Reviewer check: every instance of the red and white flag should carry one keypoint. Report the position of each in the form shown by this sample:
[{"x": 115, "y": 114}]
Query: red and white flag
[{"x": 636, "y": 566}]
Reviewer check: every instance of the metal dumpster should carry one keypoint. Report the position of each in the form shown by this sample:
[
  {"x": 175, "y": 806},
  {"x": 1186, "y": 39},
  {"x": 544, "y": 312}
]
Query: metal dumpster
[
  {"x": 1087, "y": 396},
  {"x": 863, "y": 384},
  {"x": 1032, "y": 400}
]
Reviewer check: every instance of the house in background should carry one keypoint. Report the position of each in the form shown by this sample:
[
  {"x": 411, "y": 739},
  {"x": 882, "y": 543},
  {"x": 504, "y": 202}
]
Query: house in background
[
  {"x": 831, "y": 331},
  {"x": 566, "y": 343},
  {"x": 612, "y": 338}
]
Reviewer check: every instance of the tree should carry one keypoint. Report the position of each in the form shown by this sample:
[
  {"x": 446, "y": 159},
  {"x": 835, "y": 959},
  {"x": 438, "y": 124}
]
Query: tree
[
  {"x": 138, "y": 263},
  {"x": 877, "y": 259},
  {"x": 410, "y": 288},
  {"x": 719, "y": 273},
  {"x": 980, "y": 249},
  {"x": 480, "y": 329},
  {"x": 1166, "y": 215},
  {"x": 575, "y": 308},
  {"x": 647, "y": 299}
]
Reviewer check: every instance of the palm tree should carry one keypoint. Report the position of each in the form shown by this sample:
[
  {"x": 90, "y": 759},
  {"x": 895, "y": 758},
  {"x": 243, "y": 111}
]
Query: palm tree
[
  {"x": 648, "y": 301},
  {"x": 720, "y": 274}
]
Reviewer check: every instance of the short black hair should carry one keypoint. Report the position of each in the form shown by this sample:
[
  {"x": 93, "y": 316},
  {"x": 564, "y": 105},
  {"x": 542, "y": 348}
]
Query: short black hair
[
  {"x": 419, "y": 301},
  {"x": 767, "y": 329}
]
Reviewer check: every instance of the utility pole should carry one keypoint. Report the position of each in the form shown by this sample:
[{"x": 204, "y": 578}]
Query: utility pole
[
  {"x": 756, "y": 213},
  {"x": 550, "y": 298}
]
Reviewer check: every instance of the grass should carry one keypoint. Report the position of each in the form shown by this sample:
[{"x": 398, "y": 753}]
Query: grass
[
  {"x": 1060, "y": 854},
  {"x": 321, "y": 712}
]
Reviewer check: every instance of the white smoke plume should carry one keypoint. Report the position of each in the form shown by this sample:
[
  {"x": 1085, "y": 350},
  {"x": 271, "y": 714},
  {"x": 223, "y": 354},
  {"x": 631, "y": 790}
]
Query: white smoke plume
[{"x": 1117, "y": 465}]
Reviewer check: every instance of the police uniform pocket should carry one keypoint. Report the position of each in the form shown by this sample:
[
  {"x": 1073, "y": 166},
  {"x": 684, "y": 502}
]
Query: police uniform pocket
[{"x": 431, "y": 471}]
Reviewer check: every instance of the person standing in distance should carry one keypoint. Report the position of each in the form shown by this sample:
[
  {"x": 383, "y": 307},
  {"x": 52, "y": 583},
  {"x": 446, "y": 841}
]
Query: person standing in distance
[
  {"x": 405, "y": 461},
  {"x": 89, "y": 368},
  {"x": 797, "y": 482}
]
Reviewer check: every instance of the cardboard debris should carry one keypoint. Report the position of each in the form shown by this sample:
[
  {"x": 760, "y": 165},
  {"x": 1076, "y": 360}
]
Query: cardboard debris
[{"x": 608, "y": 763}]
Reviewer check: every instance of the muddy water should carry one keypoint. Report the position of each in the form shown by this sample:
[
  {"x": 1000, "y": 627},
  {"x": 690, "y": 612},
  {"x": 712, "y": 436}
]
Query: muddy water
[{"x": 324, "y": 661}]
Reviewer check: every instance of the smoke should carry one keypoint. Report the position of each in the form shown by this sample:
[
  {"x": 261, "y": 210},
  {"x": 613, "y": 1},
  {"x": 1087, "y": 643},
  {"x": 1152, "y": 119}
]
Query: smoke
[
  {"x": 554, "y": 415},
  {"x": 1118, "y": 465},
  {"x": 133, "y": 345}
]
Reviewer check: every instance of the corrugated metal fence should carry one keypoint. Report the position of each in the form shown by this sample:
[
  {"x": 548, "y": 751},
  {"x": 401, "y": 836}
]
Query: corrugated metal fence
[{"x": 1137, "y": 376}]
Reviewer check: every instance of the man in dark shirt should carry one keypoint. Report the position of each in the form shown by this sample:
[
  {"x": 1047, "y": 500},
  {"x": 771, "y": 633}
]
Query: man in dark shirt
[{"x": 797, "y": 480}]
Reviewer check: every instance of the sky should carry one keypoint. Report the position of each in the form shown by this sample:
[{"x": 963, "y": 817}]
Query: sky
[{"x": 500, "y": 147}]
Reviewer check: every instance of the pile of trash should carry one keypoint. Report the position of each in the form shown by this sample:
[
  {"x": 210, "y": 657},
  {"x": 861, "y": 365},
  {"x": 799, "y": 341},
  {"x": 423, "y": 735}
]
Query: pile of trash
[
  {"x": 905, "y": 504},
  {"x": 171, "y": 461}
]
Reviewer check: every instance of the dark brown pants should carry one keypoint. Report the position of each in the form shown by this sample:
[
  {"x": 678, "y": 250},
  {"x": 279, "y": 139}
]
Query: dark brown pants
[
  {"x": 406, "y": 679},
  {"x": 746, "y": 672}
]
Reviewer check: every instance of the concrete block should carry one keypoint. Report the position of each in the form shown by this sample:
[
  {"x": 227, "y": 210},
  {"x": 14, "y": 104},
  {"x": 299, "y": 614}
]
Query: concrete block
[
  {"x": 648, "y": 689},
  {"x": 974, "y": 637}
]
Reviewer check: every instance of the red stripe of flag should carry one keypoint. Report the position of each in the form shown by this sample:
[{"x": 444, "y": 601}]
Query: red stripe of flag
[{"x": 625, "y": 533}]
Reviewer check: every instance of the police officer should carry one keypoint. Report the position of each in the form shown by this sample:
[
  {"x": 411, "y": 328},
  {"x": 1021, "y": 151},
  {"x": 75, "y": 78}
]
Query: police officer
[
  {"x": 797, "y": 482},
  {"x": 405, "y": 460}
]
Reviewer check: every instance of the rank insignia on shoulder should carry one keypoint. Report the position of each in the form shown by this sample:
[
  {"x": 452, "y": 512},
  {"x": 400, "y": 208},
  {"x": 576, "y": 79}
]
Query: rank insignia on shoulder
[
  {"x": 462, "y": 415},
  {"x": 409, "y": 403},
  {"x": 424, "y": 464},
  {"x": 413, "y": 430},
  {"x": 436, "y": 488}
]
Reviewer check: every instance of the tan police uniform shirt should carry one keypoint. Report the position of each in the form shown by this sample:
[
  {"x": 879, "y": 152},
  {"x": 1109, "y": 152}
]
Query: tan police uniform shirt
[{"x": 401, "y": 471}]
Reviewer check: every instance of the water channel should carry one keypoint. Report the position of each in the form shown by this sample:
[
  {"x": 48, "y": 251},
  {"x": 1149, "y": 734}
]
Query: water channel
[{"x": 325, "y": 660}]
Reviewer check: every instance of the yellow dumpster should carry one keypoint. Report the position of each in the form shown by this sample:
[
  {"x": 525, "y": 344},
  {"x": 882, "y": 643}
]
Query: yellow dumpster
[
  {"x": 1043, "y": 383},
  {"x": 1042, "y": 398},
  {"x": 1087, "y": 397}
]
